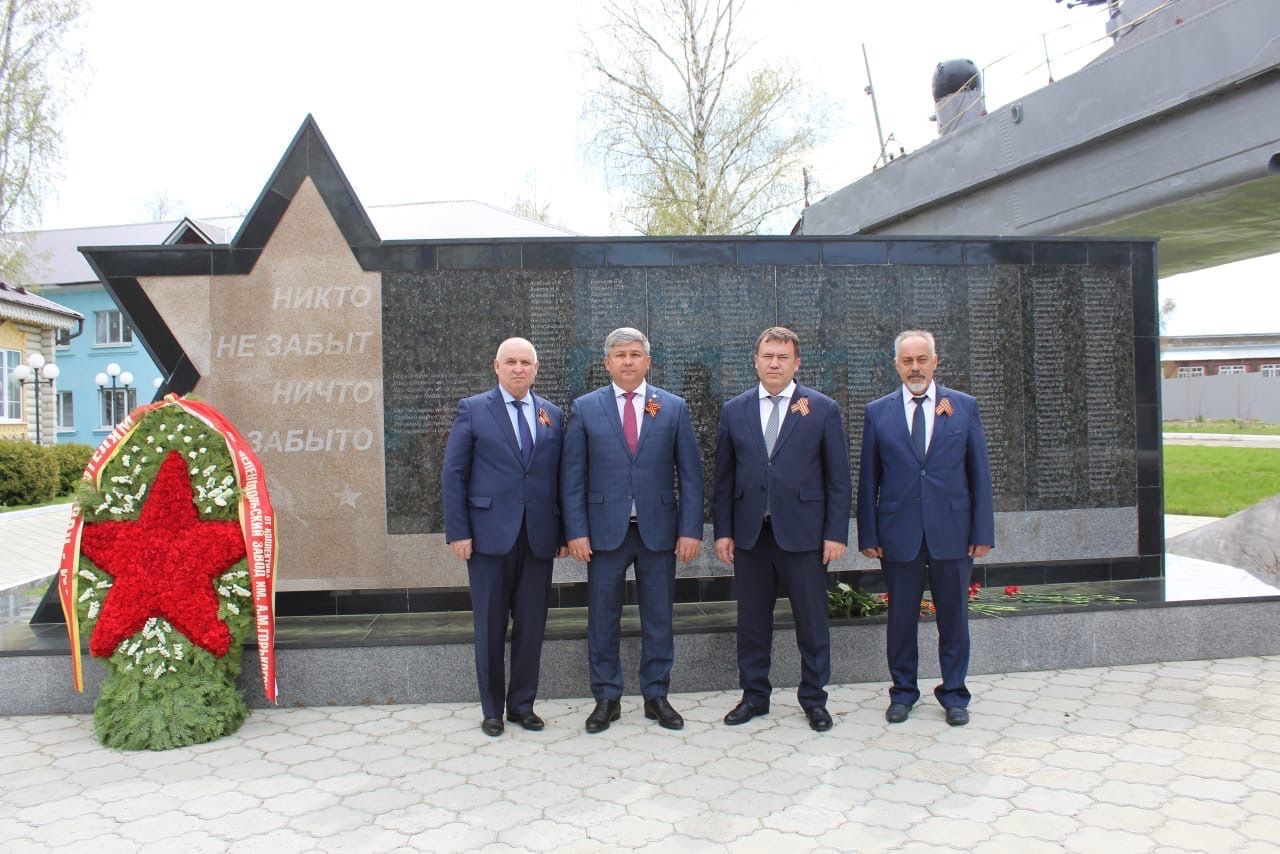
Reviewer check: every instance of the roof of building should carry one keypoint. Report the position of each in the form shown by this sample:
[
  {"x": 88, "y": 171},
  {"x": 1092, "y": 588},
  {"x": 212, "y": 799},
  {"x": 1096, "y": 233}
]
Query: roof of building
[
  {"x": 461, "y": 218},
  {"x": 53, "y": 256},
  {"x": 1230, "y": 339},
  {"x": 1217, "y": 354},
  {"x": 17, "y": 303}
]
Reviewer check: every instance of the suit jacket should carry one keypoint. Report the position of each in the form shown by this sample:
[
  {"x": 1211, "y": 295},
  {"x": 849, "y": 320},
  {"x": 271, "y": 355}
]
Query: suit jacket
[
  {"x": 944, "y": 499},
  {"x": 487, "y": 490},
  {"x": 806, "y": 480},
  {"x": 599, "y": 479}
]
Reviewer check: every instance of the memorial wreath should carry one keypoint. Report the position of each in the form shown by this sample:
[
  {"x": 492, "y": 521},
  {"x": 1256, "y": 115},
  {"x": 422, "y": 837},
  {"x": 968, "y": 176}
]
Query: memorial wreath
[{"x": 169, "y": 561}]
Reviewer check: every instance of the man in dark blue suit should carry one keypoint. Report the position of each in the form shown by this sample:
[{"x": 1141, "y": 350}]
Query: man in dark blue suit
[
  {"x": 782, "y": 500},
  {"x": 925, "y": 509},
  {"x": 501, "y": 483},
  {"x": 624, "y": 448}
]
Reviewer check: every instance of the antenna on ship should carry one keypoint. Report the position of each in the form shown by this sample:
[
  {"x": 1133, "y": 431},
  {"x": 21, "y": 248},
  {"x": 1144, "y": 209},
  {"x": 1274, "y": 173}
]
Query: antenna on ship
[{"x": 875, "y": 109}]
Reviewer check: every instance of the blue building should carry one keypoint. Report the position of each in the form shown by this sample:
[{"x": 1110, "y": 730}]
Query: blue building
[{"x": 85, "y": 411}]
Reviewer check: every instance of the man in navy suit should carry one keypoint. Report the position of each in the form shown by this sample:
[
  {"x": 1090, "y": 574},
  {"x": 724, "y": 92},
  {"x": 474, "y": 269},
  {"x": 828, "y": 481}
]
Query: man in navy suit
[
  {"x": 624, "y": 448},
  {"x": 925, "y": 509},
  {"x": 501, "y": 483},
  {"x": 782, "y": 500}
]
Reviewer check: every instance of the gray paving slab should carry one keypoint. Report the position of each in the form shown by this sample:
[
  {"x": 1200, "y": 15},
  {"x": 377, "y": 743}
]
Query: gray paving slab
[
  {"x": 1150, "y": 757},
  {"x": 31, "y": 544}
]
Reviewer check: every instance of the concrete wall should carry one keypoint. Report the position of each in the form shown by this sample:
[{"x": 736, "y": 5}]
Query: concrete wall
[
  {"x": 1244, "y": 396},
  {"x": 705, "y": 661}
]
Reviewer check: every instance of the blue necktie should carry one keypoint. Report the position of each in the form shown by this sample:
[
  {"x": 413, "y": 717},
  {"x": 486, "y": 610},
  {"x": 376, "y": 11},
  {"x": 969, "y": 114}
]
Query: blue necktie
[
  {"x": 917, "y": 425},
  {"x": 526, "y": 437}
]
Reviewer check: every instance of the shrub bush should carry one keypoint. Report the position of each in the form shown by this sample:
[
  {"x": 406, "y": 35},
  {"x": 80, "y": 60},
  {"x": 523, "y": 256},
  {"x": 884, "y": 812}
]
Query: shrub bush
[
  {"x": 71, "y": 459},
  {"x": 28, "y": 473}
]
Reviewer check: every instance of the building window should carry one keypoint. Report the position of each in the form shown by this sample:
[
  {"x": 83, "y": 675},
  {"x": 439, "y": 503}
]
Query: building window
[
  {"x": 62, "y": 338},
  {"x": 114, "y": 405},
  {"x": 66, "y": 411},
  {"x": 10, "y": 389},
  {"x": 111, "y": 328},
  {"x": 1230, "y": 369},
  {"x": 1192, "y": 371},
  {"x": 1271, "y": 370}
]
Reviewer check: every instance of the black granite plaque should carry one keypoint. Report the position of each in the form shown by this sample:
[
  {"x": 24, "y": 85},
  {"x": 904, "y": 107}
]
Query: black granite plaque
[
  {"x": 1047, "y": 350},
  {"x": 1055, "y": 400},
  {"x": 441, "y": 331},
  {"x": 1109, "y": 417},
  {"x": 704, "y": 322}
]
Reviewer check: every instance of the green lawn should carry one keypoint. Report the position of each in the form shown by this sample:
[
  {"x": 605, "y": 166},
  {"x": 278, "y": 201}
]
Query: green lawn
[
  {"x": 1203, "y": 481},
  {"x": 1223, "y": 425}
]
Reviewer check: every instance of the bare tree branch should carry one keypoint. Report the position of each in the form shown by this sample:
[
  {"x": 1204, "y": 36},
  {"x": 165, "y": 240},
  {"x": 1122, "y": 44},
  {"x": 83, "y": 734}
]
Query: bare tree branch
[{"x": 702, "y": 145}]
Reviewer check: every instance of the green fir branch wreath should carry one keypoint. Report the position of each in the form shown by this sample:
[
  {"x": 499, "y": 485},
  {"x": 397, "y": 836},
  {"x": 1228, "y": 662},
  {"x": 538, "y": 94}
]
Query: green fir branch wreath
[{"x": 164, "y": 689}]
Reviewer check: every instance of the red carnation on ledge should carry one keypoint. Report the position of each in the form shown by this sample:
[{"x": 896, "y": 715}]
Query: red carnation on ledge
[{"x": 163, "y": 565}]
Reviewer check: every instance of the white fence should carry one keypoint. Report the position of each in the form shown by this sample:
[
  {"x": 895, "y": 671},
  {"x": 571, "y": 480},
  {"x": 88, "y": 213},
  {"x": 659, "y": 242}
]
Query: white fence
[{"x": 1243, "y": 396}]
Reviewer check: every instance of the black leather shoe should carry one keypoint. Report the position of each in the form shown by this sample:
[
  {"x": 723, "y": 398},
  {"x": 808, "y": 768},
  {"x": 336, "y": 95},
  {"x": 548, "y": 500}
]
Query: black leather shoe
[
  {"x": 744, "y": 712},
  {"x": 528, "y": 720},
  {"x": 658, "y": 709},
  {"x": 604, "y": 712},
  {"x": 897, "y": 713},
  {"x": 491, "y": 726},
  {"x": 957, "y": 716},
  {"x": 819, "y": 719}
]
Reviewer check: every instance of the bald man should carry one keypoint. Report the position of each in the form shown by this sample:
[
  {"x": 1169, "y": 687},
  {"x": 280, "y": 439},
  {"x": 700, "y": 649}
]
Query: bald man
[{"x": 501, "y": 488}]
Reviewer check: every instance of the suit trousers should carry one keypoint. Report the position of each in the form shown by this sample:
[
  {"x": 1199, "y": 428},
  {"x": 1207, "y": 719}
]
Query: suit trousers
[
  {"x": 516, "y": 585},
  {"x": 655, "y": 588},
  {"x": 949, "y": 584},
  {"x": 757, "y": 571}
]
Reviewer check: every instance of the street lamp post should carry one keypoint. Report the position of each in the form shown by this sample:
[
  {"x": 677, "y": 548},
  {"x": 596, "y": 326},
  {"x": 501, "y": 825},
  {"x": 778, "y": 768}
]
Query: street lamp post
[
  {"x": 113, "y": 373},
  {"x": 39, "y": 373}
]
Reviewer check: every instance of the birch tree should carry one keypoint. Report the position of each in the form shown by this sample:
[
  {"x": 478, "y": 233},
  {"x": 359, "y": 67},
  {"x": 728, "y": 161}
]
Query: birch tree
[
  {"x": 702, "y": 142},
  {"x": 33, "y": 53}
]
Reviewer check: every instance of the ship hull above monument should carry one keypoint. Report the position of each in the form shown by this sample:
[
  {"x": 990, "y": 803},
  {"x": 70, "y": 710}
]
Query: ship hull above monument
[{"x": 1174, "y": 135}]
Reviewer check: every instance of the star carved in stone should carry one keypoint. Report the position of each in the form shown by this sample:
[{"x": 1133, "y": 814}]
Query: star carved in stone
[
  {"x": 163, "y": 564},
  {"x": 347, "y": 497}
]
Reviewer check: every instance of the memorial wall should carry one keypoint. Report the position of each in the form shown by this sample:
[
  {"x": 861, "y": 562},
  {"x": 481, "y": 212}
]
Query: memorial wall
[
  {"x": 342, "y": 358},
  {"x": 1048, "y": 351}
]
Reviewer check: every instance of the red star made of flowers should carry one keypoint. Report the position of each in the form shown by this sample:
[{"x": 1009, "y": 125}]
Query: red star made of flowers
[{"x": 163, "y": 564}]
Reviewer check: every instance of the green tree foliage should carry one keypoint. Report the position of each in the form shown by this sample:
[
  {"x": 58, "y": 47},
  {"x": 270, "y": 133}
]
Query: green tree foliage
[
  {"x": 33, "y": 55},
  {"x": 703, "y": 143}
]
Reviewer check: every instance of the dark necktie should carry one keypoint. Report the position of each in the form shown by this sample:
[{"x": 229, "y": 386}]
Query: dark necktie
[
  {"x": 630, "y": 430},
  {"x": 917, "y": 424},
  {"x": 526, "y": 436}
]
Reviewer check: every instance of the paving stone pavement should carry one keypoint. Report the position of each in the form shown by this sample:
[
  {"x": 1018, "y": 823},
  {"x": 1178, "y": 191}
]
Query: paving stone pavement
[{"x": 1180, "y": 756}]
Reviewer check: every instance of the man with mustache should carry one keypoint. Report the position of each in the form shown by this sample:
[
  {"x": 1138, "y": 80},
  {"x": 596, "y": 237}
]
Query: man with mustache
[{"x": 925, "y": 510}]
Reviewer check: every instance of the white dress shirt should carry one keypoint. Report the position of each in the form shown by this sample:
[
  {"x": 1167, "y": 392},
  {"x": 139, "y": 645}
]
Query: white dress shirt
[
  {"x": 637, "y": 403},
  {"x": 784, "y": 406},
  {"x": 909, "y": 407},
  {"x": 527, "y": 411}
]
